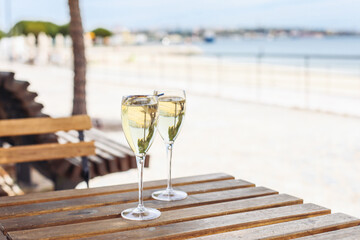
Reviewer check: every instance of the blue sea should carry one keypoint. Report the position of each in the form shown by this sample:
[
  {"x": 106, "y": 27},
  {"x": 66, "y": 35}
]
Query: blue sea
[
  {"x": 305, "y": 46},
  {"x": 247, "y": 50}
]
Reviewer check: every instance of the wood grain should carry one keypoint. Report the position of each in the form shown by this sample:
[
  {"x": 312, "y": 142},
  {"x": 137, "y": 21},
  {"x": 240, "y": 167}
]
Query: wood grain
[
  {"x": 116, "y": 159},
  {"x": 47, "y": 151},
  {"x": 290, "y": 230},
  {"x": 169, "y": 217},
  {"x": 80, "y": 193},
  {"x": 101, "y": 137},
  {"x": 184, "y": 230},
  {"x": 101, "y": 213},
  {"x": 218, "y": 207},
  {"x": 352, "y": 233},
  {"x": 130, "y": 197},
  {"x": 29, "y": 126}
]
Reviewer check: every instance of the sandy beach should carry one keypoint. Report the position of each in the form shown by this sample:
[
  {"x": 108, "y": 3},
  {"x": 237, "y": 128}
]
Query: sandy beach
[{"x": 309, "y": 154}]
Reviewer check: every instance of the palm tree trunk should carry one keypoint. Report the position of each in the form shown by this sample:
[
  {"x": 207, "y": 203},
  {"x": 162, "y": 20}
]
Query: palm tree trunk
[{"x": 76, "y": 33}]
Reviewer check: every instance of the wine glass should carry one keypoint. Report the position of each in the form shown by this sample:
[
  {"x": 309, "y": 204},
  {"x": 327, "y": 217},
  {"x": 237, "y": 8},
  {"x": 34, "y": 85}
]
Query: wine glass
[
  {"x": 172, "y": 104},
  {"x": 139, "y": 117}
]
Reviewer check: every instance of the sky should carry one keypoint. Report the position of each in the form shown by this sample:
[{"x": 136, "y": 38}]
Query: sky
[{"x": 186, "y": 14}]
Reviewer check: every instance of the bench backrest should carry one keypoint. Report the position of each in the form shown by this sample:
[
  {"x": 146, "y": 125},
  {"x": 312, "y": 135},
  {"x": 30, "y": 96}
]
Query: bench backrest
[{"x": 49, "y": 151}]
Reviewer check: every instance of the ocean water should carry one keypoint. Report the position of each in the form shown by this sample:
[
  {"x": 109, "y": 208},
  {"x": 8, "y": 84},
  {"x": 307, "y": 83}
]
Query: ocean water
[
  {"x": 343, "y": 52},
  {"x": 302, "y": 46}
]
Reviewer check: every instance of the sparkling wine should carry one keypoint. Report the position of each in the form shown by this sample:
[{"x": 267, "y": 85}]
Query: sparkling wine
[
  {"x": 171, "y": 116},
  {"x": 139, "y": 119},
  {"x": 172, "y": 104}
]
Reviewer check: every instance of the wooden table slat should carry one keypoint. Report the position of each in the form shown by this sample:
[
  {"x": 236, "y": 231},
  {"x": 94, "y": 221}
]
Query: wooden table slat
[
  {"x": 352, "y": 233},
  {"x": 111, "y": 199},
  {"x": 212, "y": 225},
  {"x": 80, "y": 193},
  {"x": 96, "y": 214},
  {"x": 290, "y": 230},
  {"x": 218, "y": 207}
]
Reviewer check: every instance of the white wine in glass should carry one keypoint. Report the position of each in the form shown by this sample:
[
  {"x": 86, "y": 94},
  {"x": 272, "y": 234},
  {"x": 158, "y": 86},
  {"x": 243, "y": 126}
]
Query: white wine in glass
[
  {"x": 172, "y": 106},
  {"x": 139, "y": 115}
]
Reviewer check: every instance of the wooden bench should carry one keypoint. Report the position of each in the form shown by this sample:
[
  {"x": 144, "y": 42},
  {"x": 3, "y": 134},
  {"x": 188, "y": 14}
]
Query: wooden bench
[
  {"x": 16, "y": 101},
  {"x": 47, "y": 151}
]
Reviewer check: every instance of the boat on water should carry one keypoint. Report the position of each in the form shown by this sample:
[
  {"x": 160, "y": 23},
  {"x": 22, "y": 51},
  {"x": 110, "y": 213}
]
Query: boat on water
[{"x": 209, "y": 37}]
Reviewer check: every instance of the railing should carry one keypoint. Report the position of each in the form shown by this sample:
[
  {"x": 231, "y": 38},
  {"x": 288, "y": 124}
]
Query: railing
[{"x": 329, "y": 83}]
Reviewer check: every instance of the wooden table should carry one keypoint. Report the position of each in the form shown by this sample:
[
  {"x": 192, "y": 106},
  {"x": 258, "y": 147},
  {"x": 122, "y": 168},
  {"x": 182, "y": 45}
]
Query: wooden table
[{"x": 218, "y": 207}]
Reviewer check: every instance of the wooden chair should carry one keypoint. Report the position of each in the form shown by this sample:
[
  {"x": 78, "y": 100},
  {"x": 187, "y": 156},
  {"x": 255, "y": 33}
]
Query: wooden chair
[{"x": 47, "y": 151}]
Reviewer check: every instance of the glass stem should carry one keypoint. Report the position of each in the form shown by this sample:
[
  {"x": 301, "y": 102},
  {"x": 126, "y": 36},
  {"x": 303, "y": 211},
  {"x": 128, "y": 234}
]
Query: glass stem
[
  {"x": 140, "y": 160},
  {"x": 169, "y": 148}
]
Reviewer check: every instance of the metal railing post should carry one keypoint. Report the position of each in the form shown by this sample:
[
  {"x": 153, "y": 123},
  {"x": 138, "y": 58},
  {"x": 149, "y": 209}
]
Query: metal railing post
[
  {"x": 359, "y": 75},
  {"x": 138, "y": 67},
  {"x": 161, "y": 66},
  {"x": 258, "y": 76},
  {"x": 306, "y": 82},
  {"x": 188, "y": 70},
  {"x": 219, "y": 71},
  {"x": 85, "y": 172}
]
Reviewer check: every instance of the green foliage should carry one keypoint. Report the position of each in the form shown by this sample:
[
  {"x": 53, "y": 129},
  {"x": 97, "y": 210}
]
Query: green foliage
[
  {"x": 2, "y": 34},
  {"x": 173, "y": 130},
  {"x": 102, "y": 32},
  {"x": 144, "y": 143},
  {"x": 35, "y": 27},
  {"x": 64, "y": 29}
]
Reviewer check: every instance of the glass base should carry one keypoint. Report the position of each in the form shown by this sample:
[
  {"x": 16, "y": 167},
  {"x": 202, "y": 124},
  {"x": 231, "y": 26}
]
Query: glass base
[
  {"x": 140, "y": 213},
  {"x": 169, "y": 195}
]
